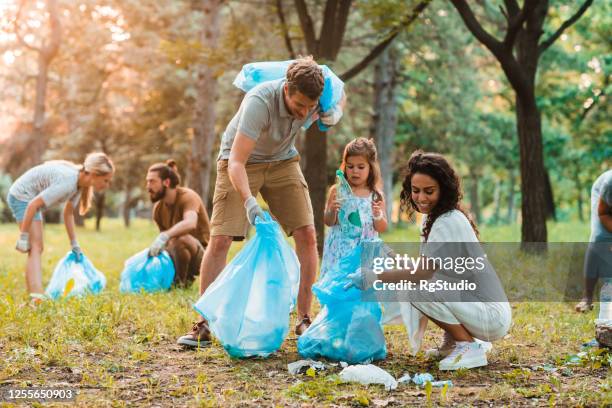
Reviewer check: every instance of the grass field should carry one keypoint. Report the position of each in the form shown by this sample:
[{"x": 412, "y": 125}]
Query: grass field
[{"x": 119, "y": 350}]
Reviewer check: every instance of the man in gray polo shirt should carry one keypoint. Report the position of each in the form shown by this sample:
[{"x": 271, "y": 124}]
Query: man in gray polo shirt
[{"x": 258, "y": 154}]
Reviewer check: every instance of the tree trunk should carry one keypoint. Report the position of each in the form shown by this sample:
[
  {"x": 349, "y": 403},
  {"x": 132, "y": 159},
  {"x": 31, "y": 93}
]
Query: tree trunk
[
  {"x": 533, "y": 175},
  {"x": 315, "y": 172},
  {"x": 39, "y": 142},
  {"x": 201, "y": 159},
  {"x": 529, "y": 124},
  {"x": 100, "y": 202},
  {"x": 46, "y": 53},
  {"x": 384, "y": 119}
]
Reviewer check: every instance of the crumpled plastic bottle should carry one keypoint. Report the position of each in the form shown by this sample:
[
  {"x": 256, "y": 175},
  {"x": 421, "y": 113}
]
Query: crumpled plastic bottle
[{"x": 350, "y": 222}]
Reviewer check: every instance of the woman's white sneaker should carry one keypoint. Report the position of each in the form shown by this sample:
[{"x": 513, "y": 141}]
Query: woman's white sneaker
[{"x": 465, "y": 355}]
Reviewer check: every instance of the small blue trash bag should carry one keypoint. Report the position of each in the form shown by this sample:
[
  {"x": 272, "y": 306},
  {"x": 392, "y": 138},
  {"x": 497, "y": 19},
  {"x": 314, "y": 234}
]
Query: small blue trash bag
[
  {"x": 347, "y": 328},
  {"x": 85, "y": 278},
  {"x": 248, "y": 305},
  {"x": 148, "y": 273},
  {"x": 256, "y": 73}
]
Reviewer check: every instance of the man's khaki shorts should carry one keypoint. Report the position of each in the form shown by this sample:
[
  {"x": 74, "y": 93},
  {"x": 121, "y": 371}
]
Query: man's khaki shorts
[{"x": 282, "y": 186}]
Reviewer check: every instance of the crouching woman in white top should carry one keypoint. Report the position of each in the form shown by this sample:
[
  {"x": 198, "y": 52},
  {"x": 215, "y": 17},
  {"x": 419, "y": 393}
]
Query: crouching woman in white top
[
  {"x": 46, "y": 185},
  {"x": 432, "y": 188}
]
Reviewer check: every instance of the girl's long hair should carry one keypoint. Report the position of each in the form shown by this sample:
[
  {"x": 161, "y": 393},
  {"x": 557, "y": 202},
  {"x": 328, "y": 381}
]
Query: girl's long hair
[
  {"x": 437, "y": 167},
  {"x": 366, "y": 149}
]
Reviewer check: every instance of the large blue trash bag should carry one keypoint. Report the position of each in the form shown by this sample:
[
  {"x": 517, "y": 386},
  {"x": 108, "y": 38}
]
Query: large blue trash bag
[
  {"x": 347, "y": 328},
  {"x": 148, "y": 273},
  {"x": 256, "y": 73},
  {"x": 84, "y": 278},
  {"x": 248, "y": 305}
]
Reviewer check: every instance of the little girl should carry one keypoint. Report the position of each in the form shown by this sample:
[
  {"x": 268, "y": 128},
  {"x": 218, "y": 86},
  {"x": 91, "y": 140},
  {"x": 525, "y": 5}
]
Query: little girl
[
  {"x": 44, "y": 186},
  {"x": 347, "y": 328},
  {"x": 365, "y": 214}
]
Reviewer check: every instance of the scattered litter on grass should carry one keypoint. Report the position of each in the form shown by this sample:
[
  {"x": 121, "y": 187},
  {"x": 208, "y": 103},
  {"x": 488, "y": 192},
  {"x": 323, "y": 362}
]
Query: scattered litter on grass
[
  {"x": 368, "y": 374},
  {"x": 404, "y": 379},
  {"x": 545, "y": 367},
  {"x": 573, "y": 359},
  {"x": 590, "y": 344},
  {"x": 421, "y": 379},
  {"x": 300, "y": 366},
  {"x": 442, "y": 383}
]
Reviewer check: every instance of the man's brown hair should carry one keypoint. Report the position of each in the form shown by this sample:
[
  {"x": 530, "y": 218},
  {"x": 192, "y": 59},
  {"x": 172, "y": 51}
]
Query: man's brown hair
[{"x": 305, "y": 75}]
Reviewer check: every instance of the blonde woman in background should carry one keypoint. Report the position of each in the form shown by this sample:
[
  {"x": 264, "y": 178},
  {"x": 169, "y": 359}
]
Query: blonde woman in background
[{"x": 44, "y": 186}]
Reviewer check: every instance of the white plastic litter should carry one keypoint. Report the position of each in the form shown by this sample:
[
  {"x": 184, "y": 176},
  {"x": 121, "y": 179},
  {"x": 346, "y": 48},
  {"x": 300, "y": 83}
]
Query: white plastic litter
[
  {"x": 404, "y": 379},
  {"x": 442, "y": 383},
  {"x": 297, "y": 366},
  {"x": 368, "y": 374}
]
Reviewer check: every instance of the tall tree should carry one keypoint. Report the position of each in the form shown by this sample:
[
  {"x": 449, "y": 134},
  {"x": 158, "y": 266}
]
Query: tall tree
[
  {"x": 200, "y": 161},
  {"x": 518, "y": 54},
  {"x": 325, "y": 49},
  {"x": 46, "y": 50},
  {"x": 384, "y": 120}
]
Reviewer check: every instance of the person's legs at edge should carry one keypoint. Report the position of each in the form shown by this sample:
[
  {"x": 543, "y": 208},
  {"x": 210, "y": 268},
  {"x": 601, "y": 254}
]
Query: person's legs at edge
[
  {"x": 586, "y": 303},
  {"x": 306, "y": 249},
  {"x": 591, "y": 275}
]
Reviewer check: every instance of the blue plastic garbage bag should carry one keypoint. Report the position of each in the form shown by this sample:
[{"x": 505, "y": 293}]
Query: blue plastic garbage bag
[
  {"x": 256, "y": 73},
  {"x": 248, "y": 305},
  {"x": 347, "y": 328},
  {"x": 74, "y": 277},
  {"x": 149, "y": 273}
]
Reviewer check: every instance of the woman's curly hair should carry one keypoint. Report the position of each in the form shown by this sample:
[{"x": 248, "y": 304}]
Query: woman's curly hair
[{"x": 437, "y": 167}]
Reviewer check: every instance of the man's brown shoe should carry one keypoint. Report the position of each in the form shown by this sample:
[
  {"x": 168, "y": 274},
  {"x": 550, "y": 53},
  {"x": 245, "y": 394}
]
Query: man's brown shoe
[
  {"x": 199, "y": 336},
  {"x": 301, "y": 327}
]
